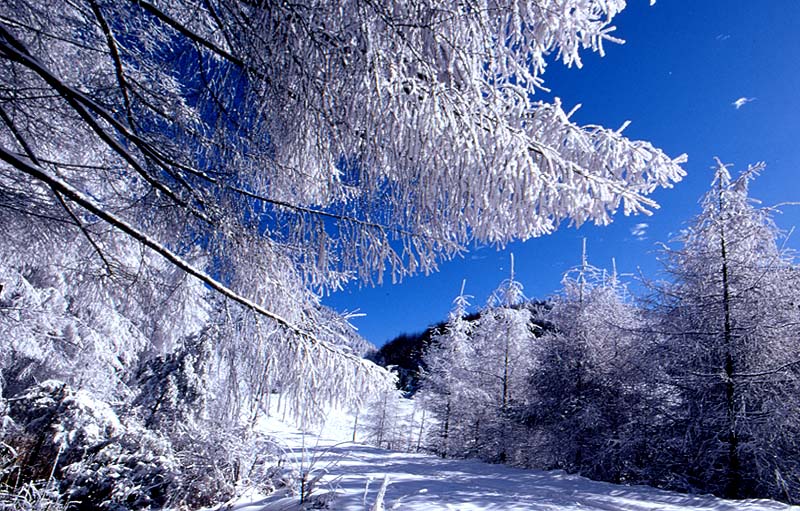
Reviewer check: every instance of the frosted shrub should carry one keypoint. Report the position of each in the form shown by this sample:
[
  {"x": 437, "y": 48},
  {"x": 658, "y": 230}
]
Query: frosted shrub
[{"x": 78, "y": 445}]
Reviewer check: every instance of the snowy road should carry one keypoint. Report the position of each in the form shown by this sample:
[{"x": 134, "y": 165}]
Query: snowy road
[
  {"x": 426, "y": 483},
  {"x": 419, "y": 482}
]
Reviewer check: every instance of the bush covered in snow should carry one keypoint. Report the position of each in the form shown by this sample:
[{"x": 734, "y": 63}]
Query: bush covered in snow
[
  {"x": 69, "y": 439},
  {"x": 91, "y": 458}
]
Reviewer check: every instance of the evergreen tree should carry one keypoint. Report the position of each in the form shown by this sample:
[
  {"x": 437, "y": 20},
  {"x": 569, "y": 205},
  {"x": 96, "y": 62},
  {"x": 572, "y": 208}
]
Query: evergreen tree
[
  {"x": 728, "y": 334},
  {"x": 445, "y": 384},
  {"x": 496, "y": 366},
  {"x": 582, "y": 386}
]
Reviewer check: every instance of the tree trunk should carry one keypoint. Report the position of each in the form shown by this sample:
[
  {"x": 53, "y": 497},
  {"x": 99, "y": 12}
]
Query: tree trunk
[
  {"x": 733, "y": 476},
  {"x": 445, "y": 430}
]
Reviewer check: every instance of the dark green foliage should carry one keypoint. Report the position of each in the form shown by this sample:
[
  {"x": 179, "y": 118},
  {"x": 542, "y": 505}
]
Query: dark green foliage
[
  {"x": 171, "y": 389},
  {"x": 404, "y": 355},
  {"x": 74, "y": 443}
]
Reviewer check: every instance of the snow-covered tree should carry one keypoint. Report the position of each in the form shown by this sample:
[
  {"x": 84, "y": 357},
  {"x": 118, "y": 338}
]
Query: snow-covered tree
[
  {"x": 728, "y": 331},
  {"x": 65, "y": 315},
  {"x": 474, "y": 378},
  {"x": 506, "y": 324},
  {"x": 299, "y": 146},
  {"x": 446, "y": 382},
  {"x": 384, "y": 422},
  {"x": 505, "y": 336},
  {"x": 583, "y": 392}
]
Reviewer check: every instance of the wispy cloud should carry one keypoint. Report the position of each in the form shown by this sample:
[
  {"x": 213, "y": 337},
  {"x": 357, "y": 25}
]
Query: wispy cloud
[
  {"x": 723, "y": 37},
  {"x": 739, "y": 103},
  {"x": 639, "y": 231}
]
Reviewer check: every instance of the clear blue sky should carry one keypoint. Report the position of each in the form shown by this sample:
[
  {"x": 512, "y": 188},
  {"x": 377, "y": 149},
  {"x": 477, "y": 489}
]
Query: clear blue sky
[{"x": 683, "y": 65}]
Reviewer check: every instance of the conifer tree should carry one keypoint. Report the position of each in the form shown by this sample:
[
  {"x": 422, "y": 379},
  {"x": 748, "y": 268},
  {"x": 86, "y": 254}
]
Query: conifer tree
[
  {"x": 582, "y": 393},
  {"x": 502, "y": 346},
  {"x": 728, "y": 333},
  {"x": 446, "y": 382}
]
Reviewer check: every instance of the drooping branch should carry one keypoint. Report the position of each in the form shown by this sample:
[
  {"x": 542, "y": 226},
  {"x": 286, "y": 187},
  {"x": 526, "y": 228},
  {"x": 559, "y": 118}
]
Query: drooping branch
[
  {"x": 122, "y": 225},
  {"x": 120, "y": 72},
  {"x": 32, "y": 156},
  {"x": 14, "y": 50},
  {"x": 181, "y": 29},
  {"x": 84, "y": 230}
]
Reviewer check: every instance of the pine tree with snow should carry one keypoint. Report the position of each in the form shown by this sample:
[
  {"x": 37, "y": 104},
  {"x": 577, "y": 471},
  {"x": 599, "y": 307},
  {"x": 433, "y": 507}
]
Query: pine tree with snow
[
  {"x": 583, "y": 393},
  {"x": 473, "y": 383},
  {"x": 727, "y": 336},
  {"x": 504, "y": 338},
  {"x": 445, "y": 386}
]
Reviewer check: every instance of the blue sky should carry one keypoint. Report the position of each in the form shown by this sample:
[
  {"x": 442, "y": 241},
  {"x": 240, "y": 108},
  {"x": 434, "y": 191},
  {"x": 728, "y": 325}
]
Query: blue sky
[{"x": 676, "y": 78}]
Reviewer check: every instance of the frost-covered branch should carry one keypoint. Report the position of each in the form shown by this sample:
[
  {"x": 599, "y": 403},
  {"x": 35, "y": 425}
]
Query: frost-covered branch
[
  {"x": 88, "y": 204},
  {"x": 293, "y": 147}
]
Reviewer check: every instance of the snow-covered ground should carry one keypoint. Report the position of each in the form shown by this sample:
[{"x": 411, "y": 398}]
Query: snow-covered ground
[{"x": 426, "y": 483}]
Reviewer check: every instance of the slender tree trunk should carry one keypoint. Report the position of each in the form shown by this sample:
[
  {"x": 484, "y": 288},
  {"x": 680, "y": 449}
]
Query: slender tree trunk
[
  {"x": 382, "y": 422},
  {"x": 578, "y": 410},
  {"x": 506, "y": 399},
  {"x": 446, "y": 430},
  {"x": 477, "y": 432},
  {"x": 506, "y": 389},
  {"x": 733, "y": 479},
  {"x": 421, "y": 429}
]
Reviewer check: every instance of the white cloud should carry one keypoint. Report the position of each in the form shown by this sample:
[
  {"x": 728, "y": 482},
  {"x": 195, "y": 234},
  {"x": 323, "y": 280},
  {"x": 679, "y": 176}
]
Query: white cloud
[
  {"x": 723, "y": 37},
  {"x": 639, "y": 231},
  {"x": 739, "y": 103}
]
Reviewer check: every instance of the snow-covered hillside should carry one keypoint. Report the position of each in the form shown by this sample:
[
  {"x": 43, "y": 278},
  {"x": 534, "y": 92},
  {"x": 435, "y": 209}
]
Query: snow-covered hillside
[{"x": 352, "y": 475}]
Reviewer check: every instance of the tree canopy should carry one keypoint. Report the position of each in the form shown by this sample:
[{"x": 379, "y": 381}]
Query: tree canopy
[{"x": 273, "y": 149}]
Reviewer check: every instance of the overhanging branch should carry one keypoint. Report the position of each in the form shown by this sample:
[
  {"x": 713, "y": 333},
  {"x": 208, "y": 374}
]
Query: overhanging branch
[{"x": 68, "y": 191}]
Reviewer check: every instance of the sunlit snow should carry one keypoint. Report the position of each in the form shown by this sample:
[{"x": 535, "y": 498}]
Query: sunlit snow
[{"x": 353, "y": 474}]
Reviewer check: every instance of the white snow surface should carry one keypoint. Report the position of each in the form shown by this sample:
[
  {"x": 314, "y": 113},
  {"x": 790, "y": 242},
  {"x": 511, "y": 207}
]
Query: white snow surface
[{"x": 420, "y": 482}]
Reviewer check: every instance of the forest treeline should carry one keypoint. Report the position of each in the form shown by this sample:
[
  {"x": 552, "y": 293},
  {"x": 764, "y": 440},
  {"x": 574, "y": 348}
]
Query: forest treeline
[{"x": 694, "y": 385}]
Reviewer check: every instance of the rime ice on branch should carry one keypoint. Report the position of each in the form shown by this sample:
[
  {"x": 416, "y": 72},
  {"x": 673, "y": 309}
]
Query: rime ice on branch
[{"x": 276, "y": 149}]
